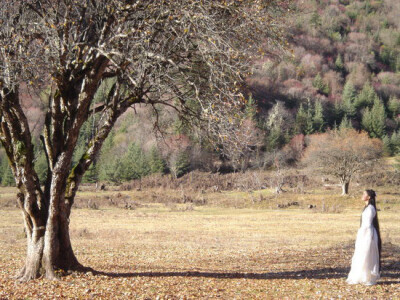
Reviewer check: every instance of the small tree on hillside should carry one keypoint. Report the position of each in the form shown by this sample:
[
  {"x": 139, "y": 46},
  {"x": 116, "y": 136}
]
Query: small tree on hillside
[
  {"x": 342, "y": 153},
  {"x": 373, "y": 120},
  {"x": 348, "y": 100},
  {"x": 318, "y": 118}
]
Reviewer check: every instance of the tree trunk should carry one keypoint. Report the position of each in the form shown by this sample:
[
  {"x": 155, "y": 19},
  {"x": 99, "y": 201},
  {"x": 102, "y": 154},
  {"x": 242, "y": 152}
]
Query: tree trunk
[
  {"x": 57, "y": 252},
  {"x": 48, "y": 247},
  {"x": 345, "y": 188},
  {"x": 35, "y": 244}
]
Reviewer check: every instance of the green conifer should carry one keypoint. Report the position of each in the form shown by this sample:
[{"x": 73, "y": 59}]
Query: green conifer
[
  {"x": 339, "y": 63},
  {"x": 395, "y": 142},
  {"x": 301, "y": 120},
  {"x": 366, "y": 97},
  {"x": 156, "y": 162},
  {"x": 394, "y": 106},
  {"x": 387, "y": 146},
  {"x": 378, "y": 118},
  {"x": 345, "y": 124},
  {"x": 318, "y": 119},
  {"x": 367, "y": 121},
  {"x": 348, "y": 98}
]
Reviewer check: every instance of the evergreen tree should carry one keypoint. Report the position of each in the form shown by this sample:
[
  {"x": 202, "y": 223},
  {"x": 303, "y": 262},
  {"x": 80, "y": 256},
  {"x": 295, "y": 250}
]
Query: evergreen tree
[
  {"x": 251, "y": 108},
  {"x": 275, "y": 138},
  {"x": 92, "y": 174},
  {"x": 301, "y": 120},
  {"x": 109, "y": 165},
  {"x": 41, "y": 167},
  {"x": 394, "y": 106},
  {"x": 180, "y": 164},
  {"x": 309, "y": 120},
  {"x": 318, "y": 119},
  {"x": 134, "y": 163},
  {"x": 387, "y": 146},
  {"x": 7, "y": 178},
  {"x": 366, "y": 97},
  {"x": 320, "y": 85},
  {"x": 395, "y": 142},
  {"x": 156, "y": 162},
  {"x": 337, "y": 112},
  {"x": 367, "y": 121},
  {"x": 378, "y": 118},
  {"x": 345, "y": 124},
  {"x": 339, "y": 63},
  {"x": 277, "y": 127},
  {"x": 348, "y": 99},
  {"x": 111, "y": 169}
]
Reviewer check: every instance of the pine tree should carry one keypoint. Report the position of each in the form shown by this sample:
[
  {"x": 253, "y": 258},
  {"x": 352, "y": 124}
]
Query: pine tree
[
  {"x": 41, "y": 167},
  {"x": 318, "y": 119},
  {"x": 367, "y": 121},
  {"x": 345, "y": 124},
  {"x": 92, "y": 174},
  {"x": 348, "y": 98},
  {"x": 320, "y": 85},
  {"x": 275, "y": 138},
  {"x": 387, "y": 146},
  {"x": 7, "y": 178},
  {"x": 251, "y": 108},
  {"x": 180, "y": 164},
  {"x": 301, "y": 120},
  {"x": 309, "y": 120},
  {"x": 339, "y": 63},
  {"x": 366, "y": 97},
  {"x": 394, "y": 106},
  {"x": 156, "y": 162},
  {"x": 378, "y": 118},
  {"x": 395, "y": 142},
  {"x": 134, "y": 163},
  {"x": 337, "y": 112},
  {"x": 109, "y": 165}
]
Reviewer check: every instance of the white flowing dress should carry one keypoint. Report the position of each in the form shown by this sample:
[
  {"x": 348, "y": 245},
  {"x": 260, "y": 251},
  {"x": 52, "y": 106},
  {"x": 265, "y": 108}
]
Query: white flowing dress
[{"x": 365, "y": 261}]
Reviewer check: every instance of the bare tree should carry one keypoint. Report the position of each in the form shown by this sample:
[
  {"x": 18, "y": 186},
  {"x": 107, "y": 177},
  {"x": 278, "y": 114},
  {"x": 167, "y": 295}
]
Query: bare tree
[
  {"x": 152, "y": 52},
  {"x": 342, "y": 153},
  {"x": 240, "y": 139}
]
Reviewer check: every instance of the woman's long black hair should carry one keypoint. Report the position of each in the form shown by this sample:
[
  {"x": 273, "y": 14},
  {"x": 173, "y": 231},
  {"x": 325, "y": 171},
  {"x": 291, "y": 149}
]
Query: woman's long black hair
[{"x": 375, "y": 222}]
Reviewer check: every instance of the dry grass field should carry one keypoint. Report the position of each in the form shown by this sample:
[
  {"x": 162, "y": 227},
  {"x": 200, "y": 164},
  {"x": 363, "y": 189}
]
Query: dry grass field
[{"x": 226, "y": 245}]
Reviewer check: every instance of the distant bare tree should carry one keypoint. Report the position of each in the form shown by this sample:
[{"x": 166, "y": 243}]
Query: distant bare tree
[
  {"x": 240, "y": 139},
  {"x": 342, "y": 153},
  {"x": 189, "y": 55}
]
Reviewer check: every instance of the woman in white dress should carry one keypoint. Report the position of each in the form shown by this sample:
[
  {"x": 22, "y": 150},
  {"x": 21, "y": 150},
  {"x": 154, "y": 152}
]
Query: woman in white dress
[{"x": 365, "y": 264}]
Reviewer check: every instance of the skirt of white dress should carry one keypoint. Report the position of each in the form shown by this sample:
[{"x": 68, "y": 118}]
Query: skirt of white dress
[{"x": 365, "y": 261}]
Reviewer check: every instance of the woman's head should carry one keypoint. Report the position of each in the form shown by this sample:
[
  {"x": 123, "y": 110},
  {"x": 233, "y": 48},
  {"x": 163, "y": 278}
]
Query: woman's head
[{"x": 369, "y": 196}]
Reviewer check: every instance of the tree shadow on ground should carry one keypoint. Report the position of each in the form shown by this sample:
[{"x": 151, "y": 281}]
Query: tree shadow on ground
[
  {"x": 323, "y": 273},
  {"x": 326, "y": 273},
  {"x": 390, "y": 271}
]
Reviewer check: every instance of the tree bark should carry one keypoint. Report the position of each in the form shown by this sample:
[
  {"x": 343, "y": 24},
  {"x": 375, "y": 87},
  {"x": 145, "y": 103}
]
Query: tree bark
[
  {"x": 47, "y": 227},
  {"x": 48, "y": 248},
  {"x": 345, "y": 188}
]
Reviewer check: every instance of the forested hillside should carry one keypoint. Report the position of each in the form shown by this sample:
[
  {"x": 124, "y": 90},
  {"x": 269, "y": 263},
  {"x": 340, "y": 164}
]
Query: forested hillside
[{"x": 342, "y": 70}]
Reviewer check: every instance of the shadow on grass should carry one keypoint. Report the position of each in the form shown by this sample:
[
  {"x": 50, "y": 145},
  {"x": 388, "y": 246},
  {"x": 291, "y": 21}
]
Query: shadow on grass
[
  {"x": 390, "y": 272},
  {"x": 324, "y": 273},
  {"x": 327, "y": 273}
]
